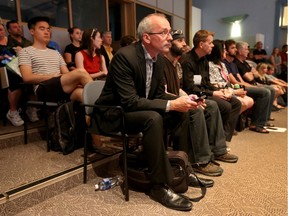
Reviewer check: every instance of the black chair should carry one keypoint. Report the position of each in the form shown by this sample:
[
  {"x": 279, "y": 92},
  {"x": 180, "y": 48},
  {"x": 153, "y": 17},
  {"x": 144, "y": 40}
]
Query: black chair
[
  {"x": 4, "y": 84},
  {"x": 44, "y": 105},
  {"x": 91, "y": 93}
]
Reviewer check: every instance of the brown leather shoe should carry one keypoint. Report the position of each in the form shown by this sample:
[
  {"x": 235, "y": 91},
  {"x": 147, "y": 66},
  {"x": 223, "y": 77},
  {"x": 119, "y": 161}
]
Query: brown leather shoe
[
  {"x": 209, "y": 169},
  {"x": 227, "y": 157}
]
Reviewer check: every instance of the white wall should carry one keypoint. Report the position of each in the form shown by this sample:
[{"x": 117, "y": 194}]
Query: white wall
[
  {"x": 261, "y": 19},
  {"x": 196, "y": 21}
]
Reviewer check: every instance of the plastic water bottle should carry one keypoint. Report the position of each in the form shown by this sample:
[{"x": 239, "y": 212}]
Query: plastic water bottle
[{"x": 107, "y": 183}]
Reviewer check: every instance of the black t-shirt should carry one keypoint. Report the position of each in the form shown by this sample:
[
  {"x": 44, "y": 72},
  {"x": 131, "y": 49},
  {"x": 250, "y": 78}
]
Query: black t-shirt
[
  {"x": 72, "y": 50},
  {"x": 232, "y": 68},
  {"x": 259, "y": 52},
  {"x": 244, "y": 67}
]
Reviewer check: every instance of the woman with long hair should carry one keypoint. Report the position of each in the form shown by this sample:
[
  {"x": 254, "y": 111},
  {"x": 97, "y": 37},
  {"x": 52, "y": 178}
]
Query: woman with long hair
[
  {"x": 276, "y": 61},
  {"x": 262, "y": 69},
  {"x": 218, "y": 75},
  {"x": 90, "y": 57}
]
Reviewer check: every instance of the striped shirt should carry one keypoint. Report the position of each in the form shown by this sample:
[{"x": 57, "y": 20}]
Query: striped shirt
[{"x": 46, "y": 61}]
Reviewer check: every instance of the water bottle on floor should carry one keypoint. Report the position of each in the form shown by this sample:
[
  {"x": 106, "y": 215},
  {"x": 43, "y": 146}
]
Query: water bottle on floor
[{"x": 107, "y": 183}]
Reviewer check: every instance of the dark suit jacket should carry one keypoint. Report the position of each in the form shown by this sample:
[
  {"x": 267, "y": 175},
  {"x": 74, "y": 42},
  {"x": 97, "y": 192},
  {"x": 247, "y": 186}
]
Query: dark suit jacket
[
  {"x": 125, "y": 83},
  {"x": 104, "y": 53}
]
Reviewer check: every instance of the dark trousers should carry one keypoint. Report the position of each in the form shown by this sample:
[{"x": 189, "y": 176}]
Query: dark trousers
[
  {"x": 152, "y": 125},
  {"x": 230, "y": 111}
]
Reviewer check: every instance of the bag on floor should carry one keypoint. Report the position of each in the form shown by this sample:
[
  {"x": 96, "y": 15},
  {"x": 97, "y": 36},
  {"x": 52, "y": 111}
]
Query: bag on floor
[
  {"x": 61, "y": 129},
  {"x": 138, "y": 177}
]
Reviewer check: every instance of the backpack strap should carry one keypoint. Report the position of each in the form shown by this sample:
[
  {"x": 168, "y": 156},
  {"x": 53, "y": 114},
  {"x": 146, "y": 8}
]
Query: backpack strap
[{"x": 203, "y": 191}]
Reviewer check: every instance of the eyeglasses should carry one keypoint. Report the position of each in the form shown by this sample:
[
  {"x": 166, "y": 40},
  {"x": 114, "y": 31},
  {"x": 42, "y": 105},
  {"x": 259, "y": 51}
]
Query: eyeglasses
[
  {"x": 177, "y": 32},
  {"x": 93, "y": 31},
  {"x": 164, "y": 33}
]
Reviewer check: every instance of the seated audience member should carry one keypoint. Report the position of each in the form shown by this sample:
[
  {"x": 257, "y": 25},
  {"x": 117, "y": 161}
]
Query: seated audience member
[
  {"x": 284, "y": 67},
  {"x": 39, "y": 64},
  {"x": 196, "y": 79},
  {"x": 219, "y": 75},
  {"x": 247, "y": 73},
  {"x": 127, "y": 40},
  {"x": 250, "y": 59},
  {"x": 147, "y": 107},
  {"x": 271, "y": 78},
  {"x": 5, "y": 54},
  {"x": 53, "y": 44},
  {"x": 70, "y": 51},
  {"x": 208, "y": 137},
  {"x": 106, "y": 49},
  {"x": 15, "y": 43},
  {"x": 262, "y": 69},
  {"x": 90, "y": 57},
  {"x": 260, "y": 95},
  {"x": 259, "y": 54},
  {"x": 276, "y": 61}
]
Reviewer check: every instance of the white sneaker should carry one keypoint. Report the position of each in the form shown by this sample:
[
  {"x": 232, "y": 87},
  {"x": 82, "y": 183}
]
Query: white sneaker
[
  {"x": 14, "y": 118},
  {"x": 32, "y": 114}
]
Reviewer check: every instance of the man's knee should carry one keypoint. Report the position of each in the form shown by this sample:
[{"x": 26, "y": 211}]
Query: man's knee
[
  {"x": 154, "y": 118},
  {"x": 212, "y": 106}
]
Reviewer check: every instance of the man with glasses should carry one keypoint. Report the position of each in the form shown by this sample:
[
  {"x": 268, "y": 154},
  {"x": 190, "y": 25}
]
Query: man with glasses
[
  {"x": 135, "y": 82},
  {"x": 39, "y": 64}
]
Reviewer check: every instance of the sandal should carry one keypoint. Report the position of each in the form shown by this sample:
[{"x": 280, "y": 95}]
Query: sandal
[
  {"x": 268, "y": 124},
  {"x": 259, "y": 129},
  {"x": 279, "y": 106}
]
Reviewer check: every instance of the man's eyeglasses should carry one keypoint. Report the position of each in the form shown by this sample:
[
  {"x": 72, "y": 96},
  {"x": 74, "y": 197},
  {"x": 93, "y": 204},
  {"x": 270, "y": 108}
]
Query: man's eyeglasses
[
  {"x": 93, "y": 31},
  {"x": 164, "y": 33}
]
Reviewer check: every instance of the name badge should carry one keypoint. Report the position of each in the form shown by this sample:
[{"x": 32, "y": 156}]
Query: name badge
[{"x": 197, "y": 79}]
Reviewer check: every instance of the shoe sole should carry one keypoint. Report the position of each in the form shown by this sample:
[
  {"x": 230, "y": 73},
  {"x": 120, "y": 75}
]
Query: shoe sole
[
  {"x": 208, "y": 174},
  {"x": 173, "y": 208},
  {"x": 16, "y": 125},
  {"x": 227, "y": 161}
]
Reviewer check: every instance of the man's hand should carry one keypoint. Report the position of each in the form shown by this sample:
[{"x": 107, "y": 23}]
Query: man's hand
[
  {"x": 182, "y": 104},
  {"x": 223, "y": 94},
  {"x": 240, "y": 92}
]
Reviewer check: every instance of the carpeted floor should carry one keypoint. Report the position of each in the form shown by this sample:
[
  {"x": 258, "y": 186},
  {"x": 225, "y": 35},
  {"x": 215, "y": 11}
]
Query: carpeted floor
[{"x": 256, "y": 185}]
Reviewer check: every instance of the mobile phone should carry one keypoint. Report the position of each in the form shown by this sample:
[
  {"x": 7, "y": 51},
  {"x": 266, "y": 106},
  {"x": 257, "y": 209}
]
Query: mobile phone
[{"x": 200, "y": 98}]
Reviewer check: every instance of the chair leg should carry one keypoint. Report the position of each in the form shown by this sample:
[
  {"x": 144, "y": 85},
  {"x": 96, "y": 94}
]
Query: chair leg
[
  {"x": 85, "y": 158},
  {"x": 125, "y": 146},
  {"x": 25, "y": 125},
  {"x": 47, "y": 131}
]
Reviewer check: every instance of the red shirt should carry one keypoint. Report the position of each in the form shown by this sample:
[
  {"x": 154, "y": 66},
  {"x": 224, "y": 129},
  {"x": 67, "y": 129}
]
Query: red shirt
[{"x": 91, "y": 65}]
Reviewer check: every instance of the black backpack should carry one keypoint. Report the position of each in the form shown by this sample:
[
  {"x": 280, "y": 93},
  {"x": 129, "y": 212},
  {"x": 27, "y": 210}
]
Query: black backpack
[{"x": 61, "y": 129}]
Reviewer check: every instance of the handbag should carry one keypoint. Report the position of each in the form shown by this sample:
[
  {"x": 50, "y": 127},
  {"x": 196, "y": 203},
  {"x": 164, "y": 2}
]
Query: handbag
[{"x": 138, "y": 176}]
